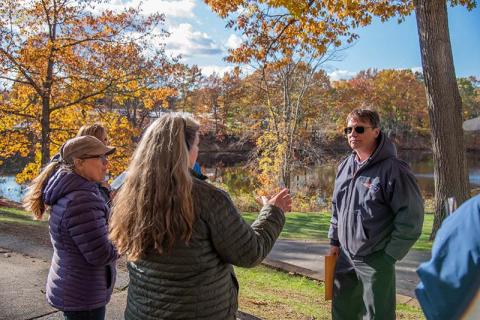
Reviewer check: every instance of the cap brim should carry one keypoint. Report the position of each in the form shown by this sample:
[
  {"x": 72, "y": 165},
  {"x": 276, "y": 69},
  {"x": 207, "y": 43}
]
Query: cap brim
[{"x": 109, "y": 150}]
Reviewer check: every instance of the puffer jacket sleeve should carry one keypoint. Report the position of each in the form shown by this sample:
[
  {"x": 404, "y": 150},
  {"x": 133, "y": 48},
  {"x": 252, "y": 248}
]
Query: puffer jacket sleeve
[
  {"x": 86, "y": 221},
  {"x": 238, "y": 243},
  {"x": 407, "y": 204}
]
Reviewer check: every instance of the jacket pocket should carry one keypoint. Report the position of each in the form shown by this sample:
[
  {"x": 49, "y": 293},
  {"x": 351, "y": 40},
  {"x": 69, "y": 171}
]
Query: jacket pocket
[
  {"x": 359, "y": 231},
  {"x": 358, "y": 235}
]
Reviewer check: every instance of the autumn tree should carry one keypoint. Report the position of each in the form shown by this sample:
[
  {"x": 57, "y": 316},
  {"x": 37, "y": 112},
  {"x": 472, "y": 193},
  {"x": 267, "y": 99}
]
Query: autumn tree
[
  {"x": 186, "y": 79},
  {"x": 218, "y": 103},
  {"x": 208, "y": 101},
  {"x": 470, "y": 92},
  {"x": 232, "y": 94},
  {"x": 286, "y": 88},
  {"x": 287, "y": 72},
  {"x": 398, "y": 96},
  {"x": 150, "y": 91},
  {"x": 58, "y": 59},
  {"x": 444, "y": 104},
  {"x": 321, "y": 23}
]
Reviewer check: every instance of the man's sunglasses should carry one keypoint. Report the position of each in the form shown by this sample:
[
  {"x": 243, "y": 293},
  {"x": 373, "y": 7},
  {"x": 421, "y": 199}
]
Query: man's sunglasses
[
  {"x": 359, "y": 129},
  {"x": 102, "y": 157}
]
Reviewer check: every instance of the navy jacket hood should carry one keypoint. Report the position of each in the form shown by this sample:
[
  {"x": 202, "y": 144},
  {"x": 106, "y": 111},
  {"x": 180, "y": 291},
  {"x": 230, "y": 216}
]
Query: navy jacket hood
[
  {"x": 64, "y": 182},
  {"x": 385, "y": 149}
]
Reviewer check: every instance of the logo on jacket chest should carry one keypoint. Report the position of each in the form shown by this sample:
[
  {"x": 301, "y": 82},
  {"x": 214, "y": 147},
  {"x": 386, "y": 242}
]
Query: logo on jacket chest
[{"x": 374, "y": 185}]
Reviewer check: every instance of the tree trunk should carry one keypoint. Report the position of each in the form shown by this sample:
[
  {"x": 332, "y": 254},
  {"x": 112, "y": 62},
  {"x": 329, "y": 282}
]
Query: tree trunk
[
  {"x": 286, "y": 170},
  {"x": 444, "y": 106},
  {"x": 45, "y": 147},
  {"x": 215, "y": 114}
]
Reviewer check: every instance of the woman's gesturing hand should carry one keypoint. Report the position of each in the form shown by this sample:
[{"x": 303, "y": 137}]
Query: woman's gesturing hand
[{"x": 283, "y": 200}]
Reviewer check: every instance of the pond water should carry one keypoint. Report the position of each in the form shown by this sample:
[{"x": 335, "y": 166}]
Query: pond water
[
  {"x": 10, "y": 189},
  {"x": 320, "y": 179},
  {"x": 317, "y": 179}
]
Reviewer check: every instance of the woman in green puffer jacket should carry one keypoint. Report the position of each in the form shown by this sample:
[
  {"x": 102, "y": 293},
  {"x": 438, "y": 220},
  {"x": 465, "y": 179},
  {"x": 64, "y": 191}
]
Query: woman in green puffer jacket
[{"x": 182, "y": 235}]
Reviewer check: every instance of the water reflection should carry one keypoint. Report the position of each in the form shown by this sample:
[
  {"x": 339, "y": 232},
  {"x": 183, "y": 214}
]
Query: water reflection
[
  {"x": 422, "y": 165},
  {"x": 11, "y": 190},
  {"x": 318, "y": 180}
]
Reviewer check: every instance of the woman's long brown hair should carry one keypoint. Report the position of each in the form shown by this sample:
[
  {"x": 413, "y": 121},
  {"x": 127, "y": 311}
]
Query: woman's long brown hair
[{"x": 154, "y": 207}]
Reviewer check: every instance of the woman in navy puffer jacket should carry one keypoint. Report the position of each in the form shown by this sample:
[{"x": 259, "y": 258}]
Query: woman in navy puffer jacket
[{"x": 82, "y": 273}]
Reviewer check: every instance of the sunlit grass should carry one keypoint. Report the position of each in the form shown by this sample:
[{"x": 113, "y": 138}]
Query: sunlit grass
[
  {"x": 314, "y": 226},
  {"x": 303, "y": 226},
  {"x": 270, "y": 294},
  {"x": 18, "y": 216}
]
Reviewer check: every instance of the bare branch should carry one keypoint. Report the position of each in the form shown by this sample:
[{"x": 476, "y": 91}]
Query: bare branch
[{"x": 14, "y": 80}]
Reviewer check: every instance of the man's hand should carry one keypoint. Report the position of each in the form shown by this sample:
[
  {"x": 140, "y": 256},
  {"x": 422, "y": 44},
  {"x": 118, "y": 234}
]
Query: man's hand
[{"x": 334, "y": 251}]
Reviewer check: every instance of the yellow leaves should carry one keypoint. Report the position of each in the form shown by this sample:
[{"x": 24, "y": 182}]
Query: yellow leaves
[
  {"x": 269, "y": 162},
  {"x": 281, "y": 26},
  {"x": 396, "y": 94},
  {"x": 30, "y": 171},
  {"x": 157, "y": 97},
  {"x": 470, "y": 4},
  {"x": 14, "y": 142},
  {"x": 223, "y": 8},
  {"x": 94, "y": 66}
]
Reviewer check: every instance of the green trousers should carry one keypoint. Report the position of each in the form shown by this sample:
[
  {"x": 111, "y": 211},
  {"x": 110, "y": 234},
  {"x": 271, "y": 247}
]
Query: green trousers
[{"x": 364, "y": 288}]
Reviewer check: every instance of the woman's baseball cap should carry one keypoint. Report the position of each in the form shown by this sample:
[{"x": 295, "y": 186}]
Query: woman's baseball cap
[{"x": 84, "y": 147}]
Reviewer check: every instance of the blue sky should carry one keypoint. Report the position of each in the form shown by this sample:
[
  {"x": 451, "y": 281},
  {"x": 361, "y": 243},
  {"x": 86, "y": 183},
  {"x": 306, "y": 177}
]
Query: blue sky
[
  {"x": 393, "y": 45},
  {"x": 201, "y": 38}
]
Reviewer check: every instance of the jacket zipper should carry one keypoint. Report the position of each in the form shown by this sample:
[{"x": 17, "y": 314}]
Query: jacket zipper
[{"x": 350, "y": 191}]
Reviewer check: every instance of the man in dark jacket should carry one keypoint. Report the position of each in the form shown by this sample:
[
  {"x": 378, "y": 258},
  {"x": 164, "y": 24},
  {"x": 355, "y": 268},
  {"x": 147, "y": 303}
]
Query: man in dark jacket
[{"x": 377, "y": 217}]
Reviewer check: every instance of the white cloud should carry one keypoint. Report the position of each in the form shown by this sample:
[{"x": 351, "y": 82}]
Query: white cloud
[
  {"x": 413, "y": 69},
  {"x": 417, "y": 69},
  {"x": 187, "y": 42},
  {"x": 233, "y": 41},
  {"x": 208, "y": 70},
  {"x": 341, "y": 75},
  {"x": 173, "y": 8}
]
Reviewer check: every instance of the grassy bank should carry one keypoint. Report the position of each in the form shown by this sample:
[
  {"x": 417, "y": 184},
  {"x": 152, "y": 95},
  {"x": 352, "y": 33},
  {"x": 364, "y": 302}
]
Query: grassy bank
[
  {"x": 303, "y": 226},
  {"x": 18, "y": 216},
  {"x": 314, "y": 226},
  {"x": 270, "y": 294}
]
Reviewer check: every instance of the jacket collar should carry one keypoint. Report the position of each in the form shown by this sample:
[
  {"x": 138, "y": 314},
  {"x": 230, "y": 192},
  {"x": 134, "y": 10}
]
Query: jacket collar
[{"x": 385, "y": 149}]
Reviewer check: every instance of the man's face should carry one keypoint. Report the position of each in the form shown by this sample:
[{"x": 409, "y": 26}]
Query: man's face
[{"x": 362, "y": 142}]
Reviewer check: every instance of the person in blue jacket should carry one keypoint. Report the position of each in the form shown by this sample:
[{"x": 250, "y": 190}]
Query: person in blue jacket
[
  {"x": 197, "y": 172},
  {"x": 450, "y": 281}
]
